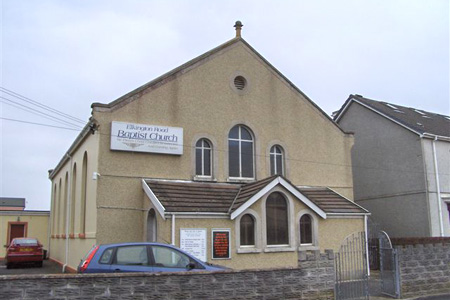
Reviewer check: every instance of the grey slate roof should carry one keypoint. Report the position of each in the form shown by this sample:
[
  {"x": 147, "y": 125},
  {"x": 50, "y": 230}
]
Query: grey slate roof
[
  {"x": 416, "y": 120},
  {"x": 191, "y": 197},
  {"x": 12, "y": 202}
]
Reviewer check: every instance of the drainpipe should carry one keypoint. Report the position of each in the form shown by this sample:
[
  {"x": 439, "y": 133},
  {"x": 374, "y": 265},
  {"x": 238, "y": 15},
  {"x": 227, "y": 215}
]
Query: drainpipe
[
  {"x": 438, "y": 188},
  {"x": 173, "y": 230},
  {"x": 367, "y": 244},
  {"x": 69, "y": 196}
]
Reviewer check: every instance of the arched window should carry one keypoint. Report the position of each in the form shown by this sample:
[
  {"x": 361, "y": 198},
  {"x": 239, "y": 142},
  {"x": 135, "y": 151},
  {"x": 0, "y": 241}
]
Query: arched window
[
  {"x": 73, "y": 199},
  {"x": 84, "y": 175},
  {"x": 64, "y": 205},
  {"x": 306, "y": 230},
  {"x": 247, "y": 229},
  {"x": 151, "y": 226},
  {"x": 277, "y": 220},
  {"x": 276, "y": 160},
  {"x": 203, "y": 158},
  {"x": 55, "y": 211},
  {"x": 240, "y": 152}
]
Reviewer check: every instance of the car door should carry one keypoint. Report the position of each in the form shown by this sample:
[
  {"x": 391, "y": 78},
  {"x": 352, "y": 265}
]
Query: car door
[
  {"x": 131, "y": 258},
  {"x": 166, "y": 259}
]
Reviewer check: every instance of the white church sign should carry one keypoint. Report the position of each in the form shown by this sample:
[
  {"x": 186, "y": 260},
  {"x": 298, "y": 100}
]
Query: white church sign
[{"x": 146, "y": 138}]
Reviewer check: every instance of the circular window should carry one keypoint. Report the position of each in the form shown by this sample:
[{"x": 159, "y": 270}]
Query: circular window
[{"x": 240, "y": 83}]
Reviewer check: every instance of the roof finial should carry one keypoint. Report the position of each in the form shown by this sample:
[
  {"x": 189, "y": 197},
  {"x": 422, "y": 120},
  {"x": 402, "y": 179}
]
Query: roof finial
[{"x": 238, "y": 25}]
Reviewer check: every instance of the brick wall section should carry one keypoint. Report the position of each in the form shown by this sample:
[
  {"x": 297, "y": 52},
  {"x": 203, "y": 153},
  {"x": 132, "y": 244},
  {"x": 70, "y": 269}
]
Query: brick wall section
[
  {"x": 424, "y": 268},
  {"x": 313, "y": 279}
]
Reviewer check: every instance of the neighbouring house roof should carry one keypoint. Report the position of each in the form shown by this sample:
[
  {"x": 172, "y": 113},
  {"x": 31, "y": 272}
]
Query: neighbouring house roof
[
  {"x": 174, "y": 196},
  {"x": 416, "y": 120},
  {"x": 12, "y": 202}
]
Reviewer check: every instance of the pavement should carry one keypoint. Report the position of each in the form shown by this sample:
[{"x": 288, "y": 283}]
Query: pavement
[{"x": 48, "y": 267}]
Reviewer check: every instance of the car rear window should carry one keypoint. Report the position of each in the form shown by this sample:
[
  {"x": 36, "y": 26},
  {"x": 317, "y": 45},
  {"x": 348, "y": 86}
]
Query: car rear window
[{"x": 26, "y": 242}]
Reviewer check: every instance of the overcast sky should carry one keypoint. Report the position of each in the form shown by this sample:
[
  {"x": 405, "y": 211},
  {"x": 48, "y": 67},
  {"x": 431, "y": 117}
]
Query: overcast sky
[{"x": 69, "y": 54}]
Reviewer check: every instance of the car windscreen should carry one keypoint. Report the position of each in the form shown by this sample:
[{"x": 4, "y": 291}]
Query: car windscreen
[{"x": 26, "y": 242}]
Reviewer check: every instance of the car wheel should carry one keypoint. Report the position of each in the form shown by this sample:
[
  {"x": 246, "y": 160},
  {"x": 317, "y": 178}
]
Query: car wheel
[
  {"x": 39, "y": 264},
  {"x": 8, "y": 266}
]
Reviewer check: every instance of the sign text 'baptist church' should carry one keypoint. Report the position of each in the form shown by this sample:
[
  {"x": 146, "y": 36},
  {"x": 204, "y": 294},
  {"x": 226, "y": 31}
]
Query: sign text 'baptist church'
[{"x": 146, "y": 138}]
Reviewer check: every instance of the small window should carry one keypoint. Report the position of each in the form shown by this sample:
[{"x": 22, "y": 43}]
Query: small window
[
  {"x": 132, "y": 255},
  {"x": 247, "y": 230},
  {"x": 169, "y": 258},
  {"x": 276, "y": 160},
  {"x": 277, "y": 220},
  {"x": 306, "y": 230},
  {"x": 203, "y": 158}
]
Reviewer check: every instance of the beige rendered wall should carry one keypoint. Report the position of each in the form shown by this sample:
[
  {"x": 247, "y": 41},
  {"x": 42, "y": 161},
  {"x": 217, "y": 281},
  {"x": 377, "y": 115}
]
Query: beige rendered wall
[
  {"x": 331, "y": 232},
  {"x": 37, "y": 227},
  {"x": 80, "y": 236},
  {"x": 202, "y": 102}
]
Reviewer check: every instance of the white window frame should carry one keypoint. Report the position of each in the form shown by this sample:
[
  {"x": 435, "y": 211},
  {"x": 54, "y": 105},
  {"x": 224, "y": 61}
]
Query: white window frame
[
  {"x": 202, "y": 158},
  {"x": 273, "y": 154},
  {"x": 240, "y": 140}
]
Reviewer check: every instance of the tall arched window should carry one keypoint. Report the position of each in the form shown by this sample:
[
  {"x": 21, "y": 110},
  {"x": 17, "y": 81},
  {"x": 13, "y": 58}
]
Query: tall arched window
[
  {"x": 276, "y": 160},
  {"x": 203, "y": 158},
  {"x": 73, "y": 200},
  {"x": 55, "y": 210},
  {"x": 58, "y": 208},
  {"x": 64, "y": 204},
  {"x": 240, "y": 152},
  {"x": 84, "y": 175},
  {"x": 277, "y": 220},
  {"x": 306, "y": 234},
  {"x": 247, "y": 228},
  {"x": 151, "y": 226}
]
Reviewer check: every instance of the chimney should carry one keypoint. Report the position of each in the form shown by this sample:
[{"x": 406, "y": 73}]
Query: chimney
[{"x": 238, "y": 25}]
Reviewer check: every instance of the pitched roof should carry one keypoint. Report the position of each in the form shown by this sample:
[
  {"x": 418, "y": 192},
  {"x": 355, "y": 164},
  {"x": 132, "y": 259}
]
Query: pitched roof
[
  {"x": 135, "y": 94},
  {"x": 416, "y": 120},
  {"x": 197, "y": 197},
  {"x": 330, "y": 201}
]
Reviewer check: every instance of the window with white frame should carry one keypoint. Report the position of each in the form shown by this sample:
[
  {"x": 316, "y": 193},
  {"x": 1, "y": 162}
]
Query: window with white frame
[
  {"x": 203, "y": 158},
  {"x": 240, "y": 152},
  {"x": 276, "y": 160},
  {"x": 277, "y": 227}
]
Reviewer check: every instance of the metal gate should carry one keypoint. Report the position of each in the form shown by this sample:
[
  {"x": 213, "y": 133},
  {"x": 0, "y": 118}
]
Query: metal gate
[
  {"x": 389, "y": 271},
  {"x": 351, "y": 269}
]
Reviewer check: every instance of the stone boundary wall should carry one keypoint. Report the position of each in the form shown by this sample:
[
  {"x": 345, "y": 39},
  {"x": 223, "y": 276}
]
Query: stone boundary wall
[
  {"x": 424, "y": 268},
  {"x": 313, "y": 279}
]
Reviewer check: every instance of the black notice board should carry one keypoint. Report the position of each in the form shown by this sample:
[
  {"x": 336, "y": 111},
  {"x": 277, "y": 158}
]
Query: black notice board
[{"x": 221, "y": 244}]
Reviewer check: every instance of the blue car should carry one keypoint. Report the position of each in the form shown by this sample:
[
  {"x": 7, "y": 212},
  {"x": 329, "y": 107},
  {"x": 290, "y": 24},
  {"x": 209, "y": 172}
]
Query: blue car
[{"x": 141, "y": 257}]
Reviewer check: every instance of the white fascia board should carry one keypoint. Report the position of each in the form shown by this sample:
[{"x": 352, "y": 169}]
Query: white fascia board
[
  {"x": 255, "y": 198},
  {"x": 300, "y": 196},
  {"x": 377, "y": 112},
  {"x": 159, "y": 207}
]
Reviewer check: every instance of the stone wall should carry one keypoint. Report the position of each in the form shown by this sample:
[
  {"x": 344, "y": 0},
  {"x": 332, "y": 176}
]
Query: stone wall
[
  {"x": 425, "y": 267},
  {"x": 313, "y": 279}
]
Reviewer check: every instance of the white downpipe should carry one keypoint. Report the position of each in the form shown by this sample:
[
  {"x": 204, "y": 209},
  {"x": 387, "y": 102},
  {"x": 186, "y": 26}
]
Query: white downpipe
[
  {"x": 173, "y": 230},
  {"x": 438, "y": 188},
  {"x": 367, "y": 244},
  {"x": 69, "y": 196}
]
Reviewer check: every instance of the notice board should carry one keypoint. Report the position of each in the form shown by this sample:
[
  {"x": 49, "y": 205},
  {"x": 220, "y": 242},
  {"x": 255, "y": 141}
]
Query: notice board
[
  {"x": 193, "y": 241},
  {"x": 221, "y": 244}
]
